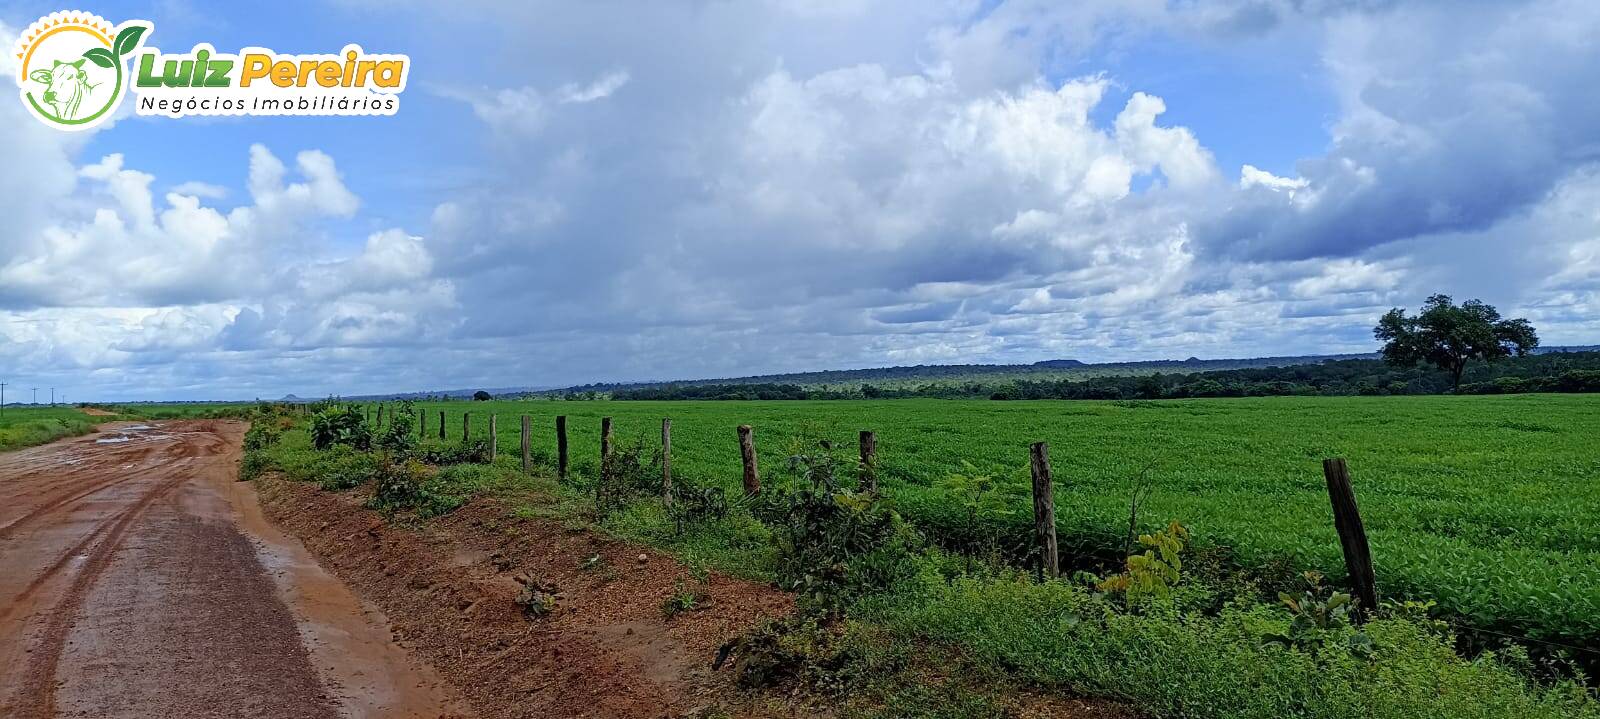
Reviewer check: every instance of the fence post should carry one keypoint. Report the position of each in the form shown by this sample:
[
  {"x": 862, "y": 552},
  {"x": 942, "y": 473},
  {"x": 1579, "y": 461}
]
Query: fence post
[
  {"x": 422, "y": 424},
  {"x": 605, "y": 456},
  {"x": 466, "y": 427},
  {"x": 747, "y": 452},
  {"x": 494, "y": 441},
  {"x": 441, "y": 425},
  {"x": 380, "y": 415},
  {"x": 527, "y": 438},
  {"x": 1352, "y": 533},
  {"x": 868, "y": 477},
  {"x": 666, "y": 462},
  {"x": 561, "y": 446},
  {"x": 1044, "y": 510}
]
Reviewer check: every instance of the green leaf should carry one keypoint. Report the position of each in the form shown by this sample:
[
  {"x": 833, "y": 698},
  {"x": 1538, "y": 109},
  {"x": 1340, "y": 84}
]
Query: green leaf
[
  {"x": 128, "y": 39},
  {"x": 100, "y": 56}
]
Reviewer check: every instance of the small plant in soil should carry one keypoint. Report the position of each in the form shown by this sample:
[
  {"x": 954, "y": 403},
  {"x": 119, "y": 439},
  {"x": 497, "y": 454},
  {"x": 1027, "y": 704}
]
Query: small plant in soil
[
  {"x": 684, "y": 599},
  {"x": 537, "y": 599}
]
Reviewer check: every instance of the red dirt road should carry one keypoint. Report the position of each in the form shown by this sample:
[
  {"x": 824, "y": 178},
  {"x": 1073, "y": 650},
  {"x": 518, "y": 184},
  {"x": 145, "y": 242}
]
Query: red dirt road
[{"x": 138, "y": 579}]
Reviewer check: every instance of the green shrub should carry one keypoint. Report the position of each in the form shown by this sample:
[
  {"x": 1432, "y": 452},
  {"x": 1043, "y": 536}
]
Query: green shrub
[
  {"x": 343, "y": 468},
  {"x": 692, "y": 505},
  {"x": 413, "y": 486},
  {"x": 253, "y": 464},
  {"x": 260, "y": 436},
  {"x": 628, "y": 472},
  {"x": 833, "y": 547},
  {"x": 399, "y": 437},
  {"x": 336, "y": 426}
]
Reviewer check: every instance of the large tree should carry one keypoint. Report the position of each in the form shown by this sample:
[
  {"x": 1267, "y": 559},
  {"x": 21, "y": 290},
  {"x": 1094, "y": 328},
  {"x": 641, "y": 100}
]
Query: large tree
[{"x": 1448, "y": 336}]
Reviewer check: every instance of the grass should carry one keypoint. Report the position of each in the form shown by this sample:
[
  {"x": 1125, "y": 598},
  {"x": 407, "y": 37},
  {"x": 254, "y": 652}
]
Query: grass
[
  {"x": 1485, "y": 505},
  {"x": 1191, "y": 664},
  {"x": 28, "y": 426},
  {"x": 1205, "y": 651}
]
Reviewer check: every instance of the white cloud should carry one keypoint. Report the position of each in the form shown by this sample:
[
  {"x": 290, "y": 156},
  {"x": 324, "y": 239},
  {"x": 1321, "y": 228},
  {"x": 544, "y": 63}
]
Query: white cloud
[
  {"x": 1251, "y": 176},
  {"x": 202, "y": 190},
  {"x": 597, "y": 90}
]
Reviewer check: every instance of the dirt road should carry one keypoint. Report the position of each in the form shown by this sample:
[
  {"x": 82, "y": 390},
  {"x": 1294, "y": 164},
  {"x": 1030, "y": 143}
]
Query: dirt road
[{"x": 138, "y": 579}]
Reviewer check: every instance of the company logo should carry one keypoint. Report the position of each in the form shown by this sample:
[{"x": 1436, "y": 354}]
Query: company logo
[{"x": 74, "y": 67}]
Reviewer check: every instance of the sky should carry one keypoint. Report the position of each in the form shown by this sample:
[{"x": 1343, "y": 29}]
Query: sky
[{"x": 608, "y": 191}]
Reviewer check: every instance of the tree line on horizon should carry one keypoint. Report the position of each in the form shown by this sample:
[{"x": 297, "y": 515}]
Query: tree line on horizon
[
  {"x": 1552, "y": 372},
  {"x": 1444, "y": 348}
]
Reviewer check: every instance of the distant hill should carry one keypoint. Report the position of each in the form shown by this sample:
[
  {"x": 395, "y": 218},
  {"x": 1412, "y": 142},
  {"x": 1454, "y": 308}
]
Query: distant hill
[
  {"x": 899, "y": 376},
  {"x": 452, "y": 393}
]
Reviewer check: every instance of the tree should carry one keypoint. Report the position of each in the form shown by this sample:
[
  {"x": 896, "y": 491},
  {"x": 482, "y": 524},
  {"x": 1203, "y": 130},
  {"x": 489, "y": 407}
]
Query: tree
[
  {"x": 1448, "y": 336},
  {"x": 481, "y": 396}
]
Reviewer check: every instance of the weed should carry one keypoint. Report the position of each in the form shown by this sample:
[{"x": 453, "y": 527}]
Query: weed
[
  {"x": 536, "y": 598},
  {"x": 683, "y": 599},
  {"x": 1153, "y": 573}
]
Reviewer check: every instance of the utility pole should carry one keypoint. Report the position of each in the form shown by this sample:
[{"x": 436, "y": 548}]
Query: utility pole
[
  {"x": 52, "y": 396},
  {"x": 35, "y": 395},
  {"x": 2, "y": 399}
]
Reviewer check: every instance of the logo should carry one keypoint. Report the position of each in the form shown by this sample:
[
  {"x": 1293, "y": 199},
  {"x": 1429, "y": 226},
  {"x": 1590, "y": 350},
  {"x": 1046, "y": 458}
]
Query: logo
[{"x": 75, "y": 68}]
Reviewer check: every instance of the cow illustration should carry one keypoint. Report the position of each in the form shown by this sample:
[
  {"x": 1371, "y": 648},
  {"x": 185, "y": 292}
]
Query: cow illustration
[{"x": 66, "y": 87}]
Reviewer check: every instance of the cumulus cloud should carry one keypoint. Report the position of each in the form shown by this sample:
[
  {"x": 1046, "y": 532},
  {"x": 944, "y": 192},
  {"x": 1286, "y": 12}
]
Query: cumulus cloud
[
  {"x": 118, "y": 283},
  {"x": 742, "y": 187},
  {"x": 1453, "y": 128}
]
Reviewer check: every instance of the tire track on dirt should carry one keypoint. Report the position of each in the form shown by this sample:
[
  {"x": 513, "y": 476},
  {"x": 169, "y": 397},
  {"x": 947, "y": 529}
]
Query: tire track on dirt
[
  {"x": 51, "y": 571},
  {"x": 18, "y": 470},
  {"x": 38, "y": 685},
  {"x": 139, "y": 579},
  {"x": 63, "y": 500}
]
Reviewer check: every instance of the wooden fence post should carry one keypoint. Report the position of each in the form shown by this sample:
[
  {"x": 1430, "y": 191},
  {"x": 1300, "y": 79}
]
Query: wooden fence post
[
  {"x": 561, "y": 446},
  {"x": 466, "y": 427},
  {"x": 494, "y": 441},
  {"x": 666, "y": 462},
  {"x": 605, "y": 456},
  {"x": 441, "y": 425},
  {"x": 527, "y": 439},
  {"x": 422, "y": 424},
  {"x": 1044, "y": 510},
  {"x": 747, "y": 452},
  {"x": 868, "y": 476},
  {"x": 380, "y": 415},
  {"x": 1352, "y": 534}
]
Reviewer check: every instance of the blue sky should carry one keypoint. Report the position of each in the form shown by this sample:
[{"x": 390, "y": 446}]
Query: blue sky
[{"x": 589, "y": 192}]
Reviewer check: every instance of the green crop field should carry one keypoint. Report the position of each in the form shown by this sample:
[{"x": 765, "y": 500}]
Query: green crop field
[
  {"x": 1486, "y": 505},
  {"x": 28, "y": 426}
]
